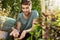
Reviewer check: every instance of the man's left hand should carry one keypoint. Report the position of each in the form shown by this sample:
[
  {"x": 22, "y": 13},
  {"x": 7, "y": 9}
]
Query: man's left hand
[{"x": 23, "y": 34}]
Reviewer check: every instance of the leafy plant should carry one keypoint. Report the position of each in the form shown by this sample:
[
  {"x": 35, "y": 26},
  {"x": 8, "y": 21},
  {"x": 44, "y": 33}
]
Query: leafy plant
[
  {"x": 36, "y": 32},
  {"x": 14, "y": 6}
]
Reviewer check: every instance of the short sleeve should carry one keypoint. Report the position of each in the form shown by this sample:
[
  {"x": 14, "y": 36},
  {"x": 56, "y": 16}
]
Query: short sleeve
[{"x": 36, "y": 15}]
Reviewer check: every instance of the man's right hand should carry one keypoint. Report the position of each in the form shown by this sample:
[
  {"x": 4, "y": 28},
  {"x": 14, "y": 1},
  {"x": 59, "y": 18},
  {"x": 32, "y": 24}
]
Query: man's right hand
[{"x": 14, "y": 33}]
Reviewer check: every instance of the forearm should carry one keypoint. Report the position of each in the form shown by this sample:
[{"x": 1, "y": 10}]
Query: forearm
[
  {"x": 18, "y": 26},
  {"x": 29, "y": 30}
]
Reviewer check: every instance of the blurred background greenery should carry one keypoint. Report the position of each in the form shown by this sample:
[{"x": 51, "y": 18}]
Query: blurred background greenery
[{"x": 13, "y": 7}]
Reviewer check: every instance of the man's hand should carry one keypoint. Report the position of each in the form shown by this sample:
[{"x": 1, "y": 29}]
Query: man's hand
[
  {"x": 14, "y": 33},
  {"x": 23, "y": 34}
]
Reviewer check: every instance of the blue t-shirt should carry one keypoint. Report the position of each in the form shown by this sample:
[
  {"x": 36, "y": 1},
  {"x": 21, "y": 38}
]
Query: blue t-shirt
[{"x": 27, "y": 23}]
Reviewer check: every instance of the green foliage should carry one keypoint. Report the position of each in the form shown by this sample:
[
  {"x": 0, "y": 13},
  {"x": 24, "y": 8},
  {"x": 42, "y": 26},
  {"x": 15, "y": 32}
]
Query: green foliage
[
  {"x": 36, "y": 5},
  {"x": 36, "y": 32},
  {"x": 15, "y": 6},
  {"x": 55, "y": 26},
  {"x": 57, "y": 20}
]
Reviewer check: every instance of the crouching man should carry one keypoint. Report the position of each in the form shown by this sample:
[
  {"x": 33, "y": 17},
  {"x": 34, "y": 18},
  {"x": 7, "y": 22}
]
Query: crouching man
[{"x": 24, "y": 21}]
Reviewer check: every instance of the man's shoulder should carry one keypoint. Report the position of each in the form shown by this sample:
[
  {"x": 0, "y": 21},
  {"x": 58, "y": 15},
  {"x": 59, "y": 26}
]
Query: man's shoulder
[
  {"x": 19, "y": 14},
  {"x": 34, "y": 12}
]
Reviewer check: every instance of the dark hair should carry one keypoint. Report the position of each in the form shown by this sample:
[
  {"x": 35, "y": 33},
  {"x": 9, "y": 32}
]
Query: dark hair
[{"x": 26, "y": 2}]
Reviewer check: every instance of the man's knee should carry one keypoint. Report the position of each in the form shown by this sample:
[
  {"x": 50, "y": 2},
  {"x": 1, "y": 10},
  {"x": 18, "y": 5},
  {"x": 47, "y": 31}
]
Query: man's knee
[{"x": 3, "y": 34}]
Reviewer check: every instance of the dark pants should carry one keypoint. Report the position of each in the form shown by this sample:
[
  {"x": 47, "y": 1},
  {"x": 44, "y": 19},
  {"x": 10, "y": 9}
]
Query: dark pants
[{"x": 26, "y": 36}]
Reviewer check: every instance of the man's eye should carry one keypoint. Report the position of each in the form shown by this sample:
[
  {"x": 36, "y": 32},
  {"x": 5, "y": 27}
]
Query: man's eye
[
  {"x": 27, "y": 7},
  {"x": 23, "y": 8}
]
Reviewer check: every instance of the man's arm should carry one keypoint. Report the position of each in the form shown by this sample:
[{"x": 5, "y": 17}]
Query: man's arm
[
  {"x": 26, "y": 31},
  {"x": 18, "y": 26},
  {"x": 33, "y": 23},
  {"x": 15, "y": 31}
]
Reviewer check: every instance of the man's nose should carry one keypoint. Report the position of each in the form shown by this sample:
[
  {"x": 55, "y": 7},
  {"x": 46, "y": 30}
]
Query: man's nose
[{"x": 25, "y": 9}]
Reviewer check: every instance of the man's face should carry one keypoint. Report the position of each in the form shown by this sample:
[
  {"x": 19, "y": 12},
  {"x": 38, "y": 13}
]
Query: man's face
[{"x": 26, "y": 9}]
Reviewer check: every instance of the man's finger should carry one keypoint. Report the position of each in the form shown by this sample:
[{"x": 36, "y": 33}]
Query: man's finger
[
  {"x": 22, "y": 35},
  {"x": 11, "y": 33}
]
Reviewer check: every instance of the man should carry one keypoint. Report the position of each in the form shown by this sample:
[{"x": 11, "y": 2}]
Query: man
[{"x": 24, "y": 20}]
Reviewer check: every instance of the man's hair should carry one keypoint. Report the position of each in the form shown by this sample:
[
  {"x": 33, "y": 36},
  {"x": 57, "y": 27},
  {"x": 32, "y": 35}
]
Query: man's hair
[{"x": 26, "y": 2}]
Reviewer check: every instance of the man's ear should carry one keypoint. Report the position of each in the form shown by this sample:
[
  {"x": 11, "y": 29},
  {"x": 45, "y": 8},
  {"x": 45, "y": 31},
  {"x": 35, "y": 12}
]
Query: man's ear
[{"x": 31, "y": 6}]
